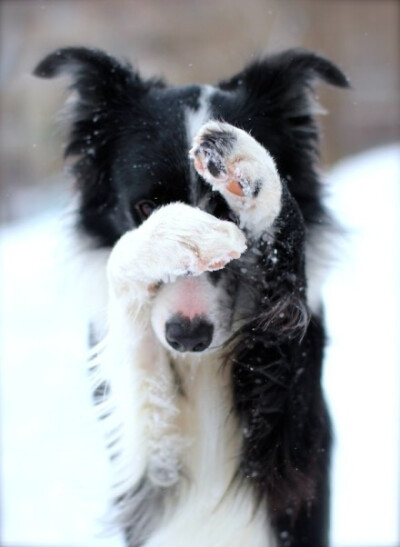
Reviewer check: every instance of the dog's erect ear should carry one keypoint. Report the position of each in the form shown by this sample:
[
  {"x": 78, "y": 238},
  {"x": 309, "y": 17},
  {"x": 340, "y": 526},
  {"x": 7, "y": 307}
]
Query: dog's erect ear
[
  {"x": 103, "y": 85},
  {"x": 109, "y": 101},
  {"x": 284, "y": 73},
  {"x": 95, "y": 74},
  {"x": 280, "y": 88}
]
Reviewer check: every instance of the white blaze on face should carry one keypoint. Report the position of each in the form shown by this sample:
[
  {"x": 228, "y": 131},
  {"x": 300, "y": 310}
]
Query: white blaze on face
[{"x": 196, "y": 118}]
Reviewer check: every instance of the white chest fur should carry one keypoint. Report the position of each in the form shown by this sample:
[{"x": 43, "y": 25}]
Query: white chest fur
[{"x": 211, "y": 508}]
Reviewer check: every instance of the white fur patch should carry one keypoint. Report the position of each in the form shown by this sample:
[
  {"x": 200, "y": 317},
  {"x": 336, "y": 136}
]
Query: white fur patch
[{"x": 196, "y": 118}]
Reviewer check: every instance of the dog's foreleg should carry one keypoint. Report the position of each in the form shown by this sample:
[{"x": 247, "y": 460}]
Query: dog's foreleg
[
  {"x": 141, "y": 385},
  {"x": 278, "y": 355},
  {"x": 176, "y": 240}
]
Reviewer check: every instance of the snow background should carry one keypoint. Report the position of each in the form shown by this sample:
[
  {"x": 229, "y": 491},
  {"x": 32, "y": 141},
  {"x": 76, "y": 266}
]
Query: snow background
[{"x": 53, "y": 466}]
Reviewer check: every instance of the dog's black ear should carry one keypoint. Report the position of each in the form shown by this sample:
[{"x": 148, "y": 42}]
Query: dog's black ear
[
  {"x": 104, "y": 87},
  {"x": 279, "y": 89},
  {"x": 95, "y": 74},
  {"x": 109, "y": 102},
  {"x": 285, "y": 72}
]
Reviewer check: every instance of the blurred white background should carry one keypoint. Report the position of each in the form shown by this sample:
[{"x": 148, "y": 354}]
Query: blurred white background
[{"x": 53, "y": 467}]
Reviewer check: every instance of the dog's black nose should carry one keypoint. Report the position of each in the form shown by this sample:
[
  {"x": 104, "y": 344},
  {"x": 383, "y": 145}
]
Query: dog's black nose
[{"x": 184, "y": 334}]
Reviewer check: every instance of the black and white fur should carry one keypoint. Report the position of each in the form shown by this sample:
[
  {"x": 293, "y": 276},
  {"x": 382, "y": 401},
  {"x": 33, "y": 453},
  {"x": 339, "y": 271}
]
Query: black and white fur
[{"x": 202, "y": 206}]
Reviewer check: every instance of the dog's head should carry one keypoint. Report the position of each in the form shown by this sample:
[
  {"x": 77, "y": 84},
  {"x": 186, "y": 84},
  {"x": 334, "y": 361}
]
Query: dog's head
[{"x": 128, "y": 146}]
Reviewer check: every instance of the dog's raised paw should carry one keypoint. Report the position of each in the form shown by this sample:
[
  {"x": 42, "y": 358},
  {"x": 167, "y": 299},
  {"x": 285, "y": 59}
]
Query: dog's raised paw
[
  {"x": 229, "y": 159},
  {"x": 176, "y": 240},
  {"x": 241, "y": 169}
]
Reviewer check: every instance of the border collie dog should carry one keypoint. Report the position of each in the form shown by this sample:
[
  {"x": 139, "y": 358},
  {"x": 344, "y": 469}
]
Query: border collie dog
[{"x": 201, "y": 210}]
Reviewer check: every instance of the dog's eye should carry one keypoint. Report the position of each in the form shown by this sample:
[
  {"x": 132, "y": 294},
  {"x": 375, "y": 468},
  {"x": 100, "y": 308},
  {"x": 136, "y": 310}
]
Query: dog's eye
[{"x": 144, "y": 208}]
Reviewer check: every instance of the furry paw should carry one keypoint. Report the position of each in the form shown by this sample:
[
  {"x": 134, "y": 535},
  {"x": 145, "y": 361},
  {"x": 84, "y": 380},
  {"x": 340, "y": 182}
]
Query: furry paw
[
  {"x": 194, "y": 240},
  {"x": 175, "y": 240},
  {"x": 242, "y": 170}
]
